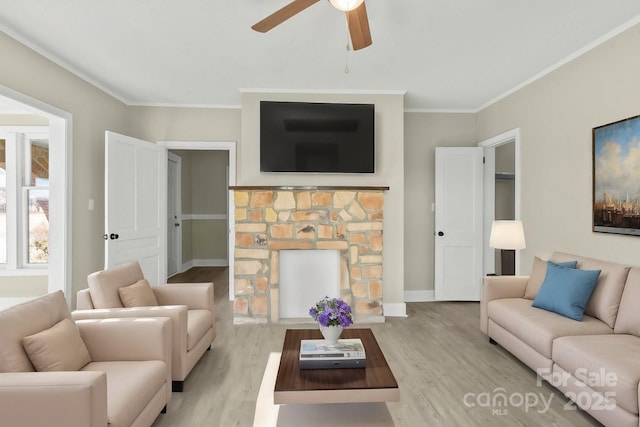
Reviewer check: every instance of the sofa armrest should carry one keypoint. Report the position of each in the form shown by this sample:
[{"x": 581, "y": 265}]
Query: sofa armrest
[
  {"x": 499, "y": 287},
  {"x": 177, "y": 314},
  {"x": 83, "y": 300},
  {"x": 110, "y": 340},
  {"x": 70, "y": 399},
  {"x": 196, "y": 296}
]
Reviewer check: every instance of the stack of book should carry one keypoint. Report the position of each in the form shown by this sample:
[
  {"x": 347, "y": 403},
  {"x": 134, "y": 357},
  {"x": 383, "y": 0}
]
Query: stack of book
[{"x": 318, "y": 354}]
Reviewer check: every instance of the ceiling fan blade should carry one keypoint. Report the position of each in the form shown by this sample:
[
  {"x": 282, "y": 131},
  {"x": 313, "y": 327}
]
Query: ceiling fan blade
[
  {"x": 359, "y": 27},
  {"x": 282, "y": 15}
]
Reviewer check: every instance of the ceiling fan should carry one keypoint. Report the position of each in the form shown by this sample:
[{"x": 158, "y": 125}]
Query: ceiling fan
[{"x": 355, "y": 10}]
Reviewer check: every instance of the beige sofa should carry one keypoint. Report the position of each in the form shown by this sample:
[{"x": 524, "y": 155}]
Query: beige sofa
[
  {"x": 125, "y": 383},
  {"x": 190, "y": 307},
  {"x": 594, "y": 362}
]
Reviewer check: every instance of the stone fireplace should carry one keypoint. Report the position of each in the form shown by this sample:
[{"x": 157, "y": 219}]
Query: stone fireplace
[{"x": 271, "y": 219}]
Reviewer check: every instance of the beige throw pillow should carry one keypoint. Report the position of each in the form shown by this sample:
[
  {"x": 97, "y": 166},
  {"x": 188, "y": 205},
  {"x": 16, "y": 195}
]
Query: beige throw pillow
[
  {"x": 139, "y": 294},
  {"x": 538, "y": 273},
  {"x": 59, "y": 348}
]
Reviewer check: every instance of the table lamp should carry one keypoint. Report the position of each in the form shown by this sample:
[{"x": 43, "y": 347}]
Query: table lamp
[{"x": 507, "y": 235}]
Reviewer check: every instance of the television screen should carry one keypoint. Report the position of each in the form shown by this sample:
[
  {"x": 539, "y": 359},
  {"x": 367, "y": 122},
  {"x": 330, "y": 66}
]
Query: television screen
[{"x": 316, "y": 137}]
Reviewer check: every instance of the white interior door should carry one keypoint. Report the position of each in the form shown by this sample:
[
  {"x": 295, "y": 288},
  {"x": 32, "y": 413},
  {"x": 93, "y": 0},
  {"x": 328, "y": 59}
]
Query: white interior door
[
  {"x": 135, "y": 204},
  {"x": 174, "y": 215},
  {"x": 458, "y": 223}
]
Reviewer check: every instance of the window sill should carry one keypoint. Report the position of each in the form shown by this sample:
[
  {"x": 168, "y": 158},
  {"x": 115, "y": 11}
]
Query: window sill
[{"x": 24, "y": 272}]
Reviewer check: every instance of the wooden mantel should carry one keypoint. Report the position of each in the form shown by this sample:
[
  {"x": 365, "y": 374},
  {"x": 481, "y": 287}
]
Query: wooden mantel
[{"x": 307, "y": 187}]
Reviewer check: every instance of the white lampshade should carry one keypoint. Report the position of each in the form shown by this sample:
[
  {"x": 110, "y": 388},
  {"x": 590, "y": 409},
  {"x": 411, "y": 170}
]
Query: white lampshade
[
  {"x": 507, "y": 235},
  {"x": 346, "y": 5}
]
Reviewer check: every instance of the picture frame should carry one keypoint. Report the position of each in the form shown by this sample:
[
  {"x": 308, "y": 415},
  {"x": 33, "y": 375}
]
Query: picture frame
[{"x": 616, "y": 177}]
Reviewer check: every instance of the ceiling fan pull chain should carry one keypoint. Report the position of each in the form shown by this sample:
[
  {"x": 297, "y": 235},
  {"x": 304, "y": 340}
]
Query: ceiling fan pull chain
[
  {"x": 346, "y": 60},
  {"x": 348, "y": 48}
]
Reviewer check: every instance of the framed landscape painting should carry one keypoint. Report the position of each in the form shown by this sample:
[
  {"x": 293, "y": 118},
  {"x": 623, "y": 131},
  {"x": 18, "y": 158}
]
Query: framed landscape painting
[{"x": 616, "y": 177}]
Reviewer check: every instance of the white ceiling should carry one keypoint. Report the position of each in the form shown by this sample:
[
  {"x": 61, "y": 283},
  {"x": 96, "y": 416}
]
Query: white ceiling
[{"x": 446, "y": 54}]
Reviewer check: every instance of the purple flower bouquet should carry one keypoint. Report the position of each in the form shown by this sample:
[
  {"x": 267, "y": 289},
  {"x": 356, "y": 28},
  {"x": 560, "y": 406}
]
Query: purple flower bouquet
[{"x": 331, "y": 312}]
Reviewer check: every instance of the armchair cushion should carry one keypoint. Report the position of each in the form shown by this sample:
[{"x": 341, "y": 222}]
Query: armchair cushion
[
  {"x": 130, "y": 386},
  {"x": 628, "y": 320},
  {"x": 104, "y": 284},
  {"x": 139, "y": 294},
  {"x": 27, "y": 319},
  {"x": 59, "y": 348}
]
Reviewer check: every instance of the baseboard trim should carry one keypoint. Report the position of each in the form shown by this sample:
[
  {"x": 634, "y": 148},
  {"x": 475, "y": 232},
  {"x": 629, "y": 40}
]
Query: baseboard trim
[
  {"x": 394, "y": 309},
  {"x": 205, "y": 217},
  {"x": 419, "y": 296},
  {"x": 204, "y": 263}
]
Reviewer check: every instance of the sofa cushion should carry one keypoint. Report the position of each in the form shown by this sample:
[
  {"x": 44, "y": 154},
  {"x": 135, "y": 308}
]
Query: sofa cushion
[
  {"x": 605, "y": 300},
  {"x": 538, "y": 273},
  {"x": 198, "y": 323},
  {"x": 139, "y": 294},
  {"x": 628, "y": 320},
  {"x": 59, "y": 348},
  {"x": 104, "y": 285},
  {"x": 26, "y": 319},
  {"x": 566, "y": 291},
  {"x": 606, "y": 363},
  {"x": 538, "y": 328},
  {"x": 130, "y": 387}
]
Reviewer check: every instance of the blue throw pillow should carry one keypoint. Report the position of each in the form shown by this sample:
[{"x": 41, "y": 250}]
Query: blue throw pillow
[
  {"x": 567, "y": 264},
  {"x": 566, "y": 291}
]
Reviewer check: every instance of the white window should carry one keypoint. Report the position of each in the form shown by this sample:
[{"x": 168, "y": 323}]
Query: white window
[{"x": 24, "y": 198}]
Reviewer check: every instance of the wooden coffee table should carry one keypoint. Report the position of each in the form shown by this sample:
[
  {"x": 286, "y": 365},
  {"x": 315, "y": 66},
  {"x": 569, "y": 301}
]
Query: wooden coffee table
[{"x": 375, "y": 383}]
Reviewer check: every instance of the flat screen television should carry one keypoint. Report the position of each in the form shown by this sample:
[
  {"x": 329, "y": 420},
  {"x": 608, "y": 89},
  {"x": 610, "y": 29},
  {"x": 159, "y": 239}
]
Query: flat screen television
[{"x": 317, "y": 137}]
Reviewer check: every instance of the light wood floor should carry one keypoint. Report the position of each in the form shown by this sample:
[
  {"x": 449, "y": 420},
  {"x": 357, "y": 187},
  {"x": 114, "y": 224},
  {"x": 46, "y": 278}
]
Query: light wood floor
[{"x": 437, "y": 354}]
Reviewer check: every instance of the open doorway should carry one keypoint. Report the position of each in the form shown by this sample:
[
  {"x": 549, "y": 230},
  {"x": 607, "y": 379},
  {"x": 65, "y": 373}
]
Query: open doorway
[
  {"x": 197, "y": 209},
  {"x": 501, "y": 196},
  {"x": 201, "y": 216}
]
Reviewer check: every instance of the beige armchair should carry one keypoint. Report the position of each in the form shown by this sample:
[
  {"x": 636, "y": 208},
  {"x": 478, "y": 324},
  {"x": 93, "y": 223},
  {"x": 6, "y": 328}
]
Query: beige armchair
[
  {"x": 190, "y": 306},
  {"x": 124, "y": 380}
]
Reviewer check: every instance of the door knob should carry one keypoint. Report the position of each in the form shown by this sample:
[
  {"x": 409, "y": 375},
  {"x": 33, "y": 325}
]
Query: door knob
[
  {"x": 114, "y": 236},
  {"x": 177, "y": 224},
  {"x": 440, "y": 233}
]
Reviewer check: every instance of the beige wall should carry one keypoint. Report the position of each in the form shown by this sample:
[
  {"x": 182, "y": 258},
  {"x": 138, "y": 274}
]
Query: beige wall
[
  {"x": 556, "y": 115},
  {"x": 93, "y": 112},
  {"x": 21, "y": 286},
  {"x": 389, "y": 168},
  {"x": 208, "y": 180},
  {"x": 423, "y": 133},
  {"x": 209, "y": 242},
  {"x": 505, "y": 188},
  {"x": 185, "y": 124}
]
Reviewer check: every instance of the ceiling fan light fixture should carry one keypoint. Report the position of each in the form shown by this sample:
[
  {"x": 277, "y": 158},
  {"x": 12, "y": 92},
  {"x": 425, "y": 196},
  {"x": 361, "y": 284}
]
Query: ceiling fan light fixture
[{"x": 346, "y": 5}]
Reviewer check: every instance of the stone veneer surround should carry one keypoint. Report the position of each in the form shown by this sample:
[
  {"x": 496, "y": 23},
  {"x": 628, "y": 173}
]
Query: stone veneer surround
[{"x": 268, "y": 220}]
